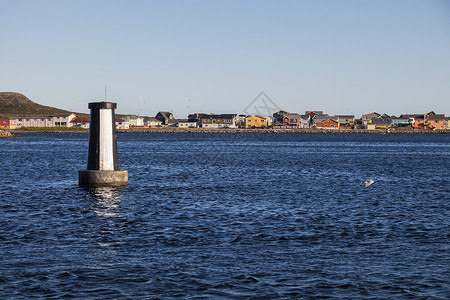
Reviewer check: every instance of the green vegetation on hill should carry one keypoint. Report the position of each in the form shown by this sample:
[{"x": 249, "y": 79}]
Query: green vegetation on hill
[{"x": 15, "y": 104}]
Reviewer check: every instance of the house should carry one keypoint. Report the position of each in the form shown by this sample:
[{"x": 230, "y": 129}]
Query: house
[
  {"x": 430, "y": 121},
  {"x": 319, "y": 119},
  {"x": 305, "y": 121},
  {"x": 256, "y": 122},
  {"x": 279, "y": 116},
  {"x": 135, "y": 121},
  {"x": 240, "y": 121},
  {"x": 437, "y": 121},
  {"x": 63, "y": 120},
  {"x": 82, "y": 122},
  {"x": 164, "y": 117},
  {"x": 218, "y": 121},
  {"x": 122, "y": 123},
  {"x": 291, "y": 120},
  {"x": 152, "y": 122},
  {"x": 379, "y": 123},
  {"x": 346, "y": 121},
  {"x": 187, "y": 124},
  {"x": 7, "y": 123},
  {"x": 328, "y": 123},
  {"x": 368, "y": 118},
  {"x": 183, "y": 123},
  {"x": 400, "y": 122},
  {"x": 314, "y": 113}
]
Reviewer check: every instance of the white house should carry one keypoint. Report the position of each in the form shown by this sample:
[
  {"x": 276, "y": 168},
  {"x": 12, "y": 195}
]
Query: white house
[
  {"x": 63, "y": 120},
  {"x": 134, "y": 120},
  {"x": 152, "y": 122}
]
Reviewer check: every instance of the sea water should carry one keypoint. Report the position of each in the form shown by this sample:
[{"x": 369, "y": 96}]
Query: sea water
[{"x": 228, "y": 216}]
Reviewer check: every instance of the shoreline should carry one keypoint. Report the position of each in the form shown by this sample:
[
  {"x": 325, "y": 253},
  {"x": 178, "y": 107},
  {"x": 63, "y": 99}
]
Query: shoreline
[{"x": 232, "y": 130}]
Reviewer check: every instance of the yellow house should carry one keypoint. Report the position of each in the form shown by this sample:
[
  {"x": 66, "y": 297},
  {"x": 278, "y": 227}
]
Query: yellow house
[{"x": 256, "y": 122}]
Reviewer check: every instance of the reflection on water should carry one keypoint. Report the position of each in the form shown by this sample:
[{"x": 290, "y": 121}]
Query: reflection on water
[{"x": 104, "y": 201}]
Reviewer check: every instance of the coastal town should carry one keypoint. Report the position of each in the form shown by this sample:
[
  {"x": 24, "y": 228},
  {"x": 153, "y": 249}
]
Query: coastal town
[{"x": 279, "y": 120}]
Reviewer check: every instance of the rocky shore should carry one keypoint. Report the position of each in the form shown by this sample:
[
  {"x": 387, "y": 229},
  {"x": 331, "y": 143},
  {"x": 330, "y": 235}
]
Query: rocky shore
[{"x": 5, "y": 134}]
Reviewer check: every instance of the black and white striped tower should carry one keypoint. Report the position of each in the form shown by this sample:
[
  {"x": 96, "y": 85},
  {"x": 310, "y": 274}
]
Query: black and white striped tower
[{"x": 103, "y": 162}]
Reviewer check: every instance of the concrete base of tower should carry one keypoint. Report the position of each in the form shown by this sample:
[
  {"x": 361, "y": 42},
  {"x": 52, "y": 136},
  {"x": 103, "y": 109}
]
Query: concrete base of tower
[{"x": 99, "y": 178}]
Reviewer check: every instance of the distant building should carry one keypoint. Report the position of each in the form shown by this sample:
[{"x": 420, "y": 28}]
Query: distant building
[
  {"x": 7, "y": 123},
  {"x": 400, "y": 122},
  {"x": 218, "y": 121},
  {"x": 305, "y": 121},
  {"x": 152, "y": 122},
  {"x": 430, "y": 121},
  {"x": 122, "y": 123},
  {"x": 164, "y": 117},
  {"x": 368, "y": 118},
  {"x": 278, "y": 117},
  {"x": 328, "y": 123},
  {"x": 182, "y": 123},
  {"x": 63, "y": 120},
  {"x": 346, "y": 121},
  {"x": 379, "y": 123},
  {"x": 256, "y": 122},
  {"x": 314, "y": 113},
  {"x": 135, "y": 121},
  {"x": 318, "y": 119},
  {"x": 291, "y": 120},
  {"x": 82, "y": 122}
]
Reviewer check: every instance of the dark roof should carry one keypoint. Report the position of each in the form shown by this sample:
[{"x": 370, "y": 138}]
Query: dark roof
[
  {"x": 174, "y": 121},
  {"x": 165, "y": 114},
  {"x": 381, "y": 121},
  {"x": 221, "y": 116},
  {"x": 436, "y": 117},
  {"x": 292, "y": 115},
  {"x": 345, "y": 116}
]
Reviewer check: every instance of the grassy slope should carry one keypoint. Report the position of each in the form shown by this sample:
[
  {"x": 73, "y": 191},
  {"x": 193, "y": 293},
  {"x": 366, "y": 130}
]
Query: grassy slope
[{"x": 15, "y": 104}]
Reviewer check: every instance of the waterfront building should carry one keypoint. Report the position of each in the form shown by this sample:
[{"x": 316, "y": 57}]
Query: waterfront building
[
  {"x": 63, "y": 120},
  {"x": 430, "y": 120},
  {"x": 313, "y": 113},
  {"x": 346, "y": 121},
  {"x": 7, "y": 123},
  {"x": 122, "y": 123},
  {"x": 82, "y": 122},
  {"x": 400, "y": 122},
  {"x": 164, "y": 117},
  {"x": 152, "y": 122},
  {"x": 368, "y": 118},
  {"x": 328, "y": 123},
  {"x": 218, "y": 121},
  {"x": 135, "y": 121},
  {"x": 183, "y": 123},
  {"x": 256, "y": 122},
  {"x": 291, "y": 120}
]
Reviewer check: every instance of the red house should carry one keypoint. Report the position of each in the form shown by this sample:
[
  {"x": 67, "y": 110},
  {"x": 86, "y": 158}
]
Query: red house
[
  {"x": 7, "y": 123},
  {"x": 291, "y": 120}
]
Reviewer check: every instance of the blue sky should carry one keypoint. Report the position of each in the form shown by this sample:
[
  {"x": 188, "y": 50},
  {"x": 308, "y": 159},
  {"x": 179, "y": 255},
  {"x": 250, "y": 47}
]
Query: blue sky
[{"x": 217, "y": 56}]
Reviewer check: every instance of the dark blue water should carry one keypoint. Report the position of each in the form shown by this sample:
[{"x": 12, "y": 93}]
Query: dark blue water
[{"x": 228, "y": 216}]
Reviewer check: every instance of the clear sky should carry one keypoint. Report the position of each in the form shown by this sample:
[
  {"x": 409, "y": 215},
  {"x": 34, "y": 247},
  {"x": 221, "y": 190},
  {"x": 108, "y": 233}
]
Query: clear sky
[{"x": 216, "y": 56}]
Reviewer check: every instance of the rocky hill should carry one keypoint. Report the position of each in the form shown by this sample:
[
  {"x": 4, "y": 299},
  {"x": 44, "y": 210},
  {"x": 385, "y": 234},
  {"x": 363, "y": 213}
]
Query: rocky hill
[{"x": 15, "y": 104}]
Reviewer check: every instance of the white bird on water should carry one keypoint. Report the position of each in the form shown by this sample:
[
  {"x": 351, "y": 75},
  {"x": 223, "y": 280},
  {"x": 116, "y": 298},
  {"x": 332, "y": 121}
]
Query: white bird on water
[{"x": 368, "y": 182}]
